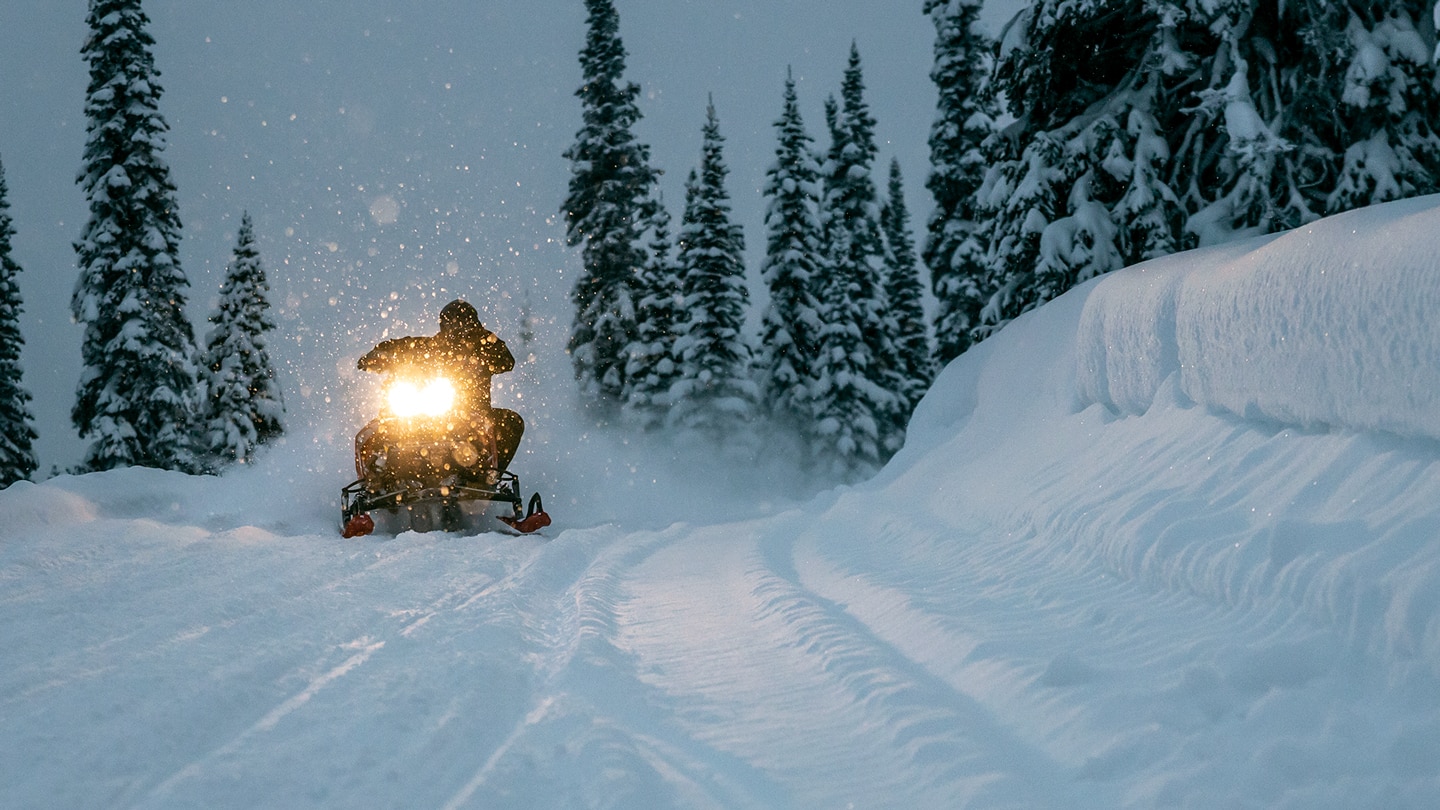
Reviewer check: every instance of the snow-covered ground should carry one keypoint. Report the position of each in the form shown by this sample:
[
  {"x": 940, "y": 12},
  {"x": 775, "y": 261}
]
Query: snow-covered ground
[{"x": 1171, "y": 541}]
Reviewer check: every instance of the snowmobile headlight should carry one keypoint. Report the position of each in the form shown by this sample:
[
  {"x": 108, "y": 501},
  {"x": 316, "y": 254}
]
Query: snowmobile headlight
[{"x": 408, "y": 398}]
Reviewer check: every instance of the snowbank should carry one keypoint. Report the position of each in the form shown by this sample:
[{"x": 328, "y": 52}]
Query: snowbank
[
  {"x": 1330, "y": 325},
  {"x": 1238, "y": 439}
]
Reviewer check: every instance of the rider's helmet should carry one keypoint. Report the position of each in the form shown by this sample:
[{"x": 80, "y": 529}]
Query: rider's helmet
[{"x": 459, "y": 316}]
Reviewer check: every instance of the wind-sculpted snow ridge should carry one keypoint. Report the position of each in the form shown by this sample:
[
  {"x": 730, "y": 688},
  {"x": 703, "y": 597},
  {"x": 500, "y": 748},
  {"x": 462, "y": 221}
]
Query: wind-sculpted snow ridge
[
  {"x": 1316, "y": 337},
  {"x": 1329, "y": 325}
]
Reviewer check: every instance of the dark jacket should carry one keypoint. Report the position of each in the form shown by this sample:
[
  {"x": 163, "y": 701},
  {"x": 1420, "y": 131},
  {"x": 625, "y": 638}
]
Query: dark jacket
[{"x": 468, "y": 356}]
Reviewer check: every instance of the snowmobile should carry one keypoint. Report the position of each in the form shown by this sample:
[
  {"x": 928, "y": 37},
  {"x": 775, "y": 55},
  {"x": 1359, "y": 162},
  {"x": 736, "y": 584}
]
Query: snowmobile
[{"x": 428, "y": 463}]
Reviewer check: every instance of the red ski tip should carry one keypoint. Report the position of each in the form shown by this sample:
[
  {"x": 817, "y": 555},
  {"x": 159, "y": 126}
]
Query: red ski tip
[
  {"x": 359, "y": 526},
  {"x": 532, "y": 522}
]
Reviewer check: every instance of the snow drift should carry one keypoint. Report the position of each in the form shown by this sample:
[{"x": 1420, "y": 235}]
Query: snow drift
[
  {"x": 1326, "y": 335},
  {"x": 1170, "y": 540},
  {"x": 1330, "y": 325}
]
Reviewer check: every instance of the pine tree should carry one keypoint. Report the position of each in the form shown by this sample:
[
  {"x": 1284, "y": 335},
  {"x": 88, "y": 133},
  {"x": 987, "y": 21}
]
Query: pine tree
[
  {"x": 611, "y": 185},
  {"x": 1083, "y": 243},
  {"x": 847, "y": 436},
  {"x": 1389, "y": 109},
  {"x": 653, "y": 365},
  {"x": 904, "y": 292},
  {"x": 245, "y": 406},
  {"x": 17, "y": 434},
  {"x": 791, "y": 324},
  {"x": 856, "y": 400},
  {"x": 954, "y": 248},
  {"x": 847, "y": 433},
  {"x": 138, "y": 397},
  {"x": 1148, "y": 214},
  {"x": 1020, "y": 198},
  {"x": 715, "y": 395},
  {"x": 1147, "y": 126}
]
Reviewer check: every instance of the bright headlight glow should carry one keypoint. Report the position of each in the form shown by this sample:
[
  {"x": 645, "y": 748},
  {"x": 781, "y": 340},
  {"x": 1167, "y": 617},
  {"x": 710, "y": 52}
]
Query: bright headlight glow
[{"x": 408, "y": 398}]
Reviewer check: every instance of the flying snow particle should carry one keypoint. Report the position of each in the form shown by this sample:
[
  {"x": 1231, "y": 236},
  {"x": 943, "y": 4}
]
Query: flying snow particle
[{"x": 384, "y": 210}]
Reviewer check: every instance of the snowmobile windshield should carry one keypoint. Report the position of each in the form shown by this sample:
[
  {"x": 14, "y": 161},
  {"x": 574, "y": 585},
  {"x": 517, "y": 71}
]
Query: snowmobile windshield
[{"x": 409, "y": 398}]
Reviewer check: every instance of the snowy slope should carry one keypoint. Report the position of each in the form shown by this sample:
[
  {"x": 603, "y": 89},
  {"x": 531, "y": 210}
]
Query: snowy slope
[{"x": 1172, "y": 540}]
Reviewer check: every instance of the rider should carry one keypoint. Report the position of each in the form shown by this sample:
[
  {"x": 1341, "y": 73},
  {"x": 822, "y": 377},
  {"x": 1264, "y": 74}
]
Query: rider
[{"x": 470, "y": 354}]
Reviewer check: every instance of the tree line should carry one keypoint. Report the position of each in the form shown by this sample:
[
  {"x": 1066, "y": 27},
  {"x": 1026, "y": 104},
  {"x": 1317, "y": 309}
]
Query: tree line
[
  {"x": 149, "y": 394},
  {"x": 1096, "y": 134},
  {"x": 1091, "y": 135},
  {"x": 659, "y": 338}
]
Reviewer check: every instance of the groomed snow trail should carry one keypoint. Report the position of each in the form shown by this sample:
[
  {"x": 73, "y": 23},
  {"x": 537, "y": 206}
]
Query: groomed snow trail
[{"x": 945, "y": 662}]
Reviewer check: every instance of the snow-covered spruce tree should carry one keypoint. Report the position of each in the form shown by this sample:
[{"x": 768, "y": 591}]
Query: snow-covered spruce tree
[
  {"x": 652, "y": 366},
  {"x": 138, "y": 399},
  {"x": 1019, "y": 198},
  {"x": 954, "y": 251},
  {"x": 904, "y": 293},
  {"x": 715, "y": 396},
  {"x": 859, "y": 408},
  {"x": 1148, "y": 213},
  {"x": 1163, "y": 124},
  {"x": 17, "y": 432},
  {"x": 1050, "y": 191},
  {"x": 791, "y": 323},
  {"x": 611, "y": 185},
  {"x": 245, "y": 408},
  {"x": 1390, "y": 106}
]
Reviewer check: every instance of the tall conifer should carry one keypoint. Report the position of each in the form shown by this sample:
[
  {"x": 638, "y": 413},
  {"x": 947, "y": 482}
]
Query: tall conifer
[
  {"x": 611, "y": 185},
  {"x": 653, "y": 364},
  {"x": 138, "y": 398},
  {"x": 856, "y": 397},
  {"x": 17, "y": 434},
  {"x": 954, "y": 248},
  {"x": 791, "y": 324},
  {"x": 245, "y": 406},
  {"x": 904, "y": 293},
  {"x": 715, "y": 395},
  {"x": 1145, "y": 127}
]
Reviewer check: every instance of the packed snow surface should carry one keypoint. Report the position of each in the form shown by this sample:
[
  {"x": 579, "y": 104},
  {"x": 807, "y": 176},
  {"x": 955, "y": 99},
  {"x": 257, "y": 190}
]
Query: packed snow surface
[{"x": 1172, "y": 540}]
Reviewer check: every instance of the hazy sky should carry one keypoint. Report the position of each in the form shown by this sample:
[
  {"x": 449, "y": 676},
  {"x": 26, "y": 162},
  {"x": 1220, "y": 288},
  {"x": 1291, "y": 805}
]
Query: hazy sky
[{"x": 396, "y": 154}]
